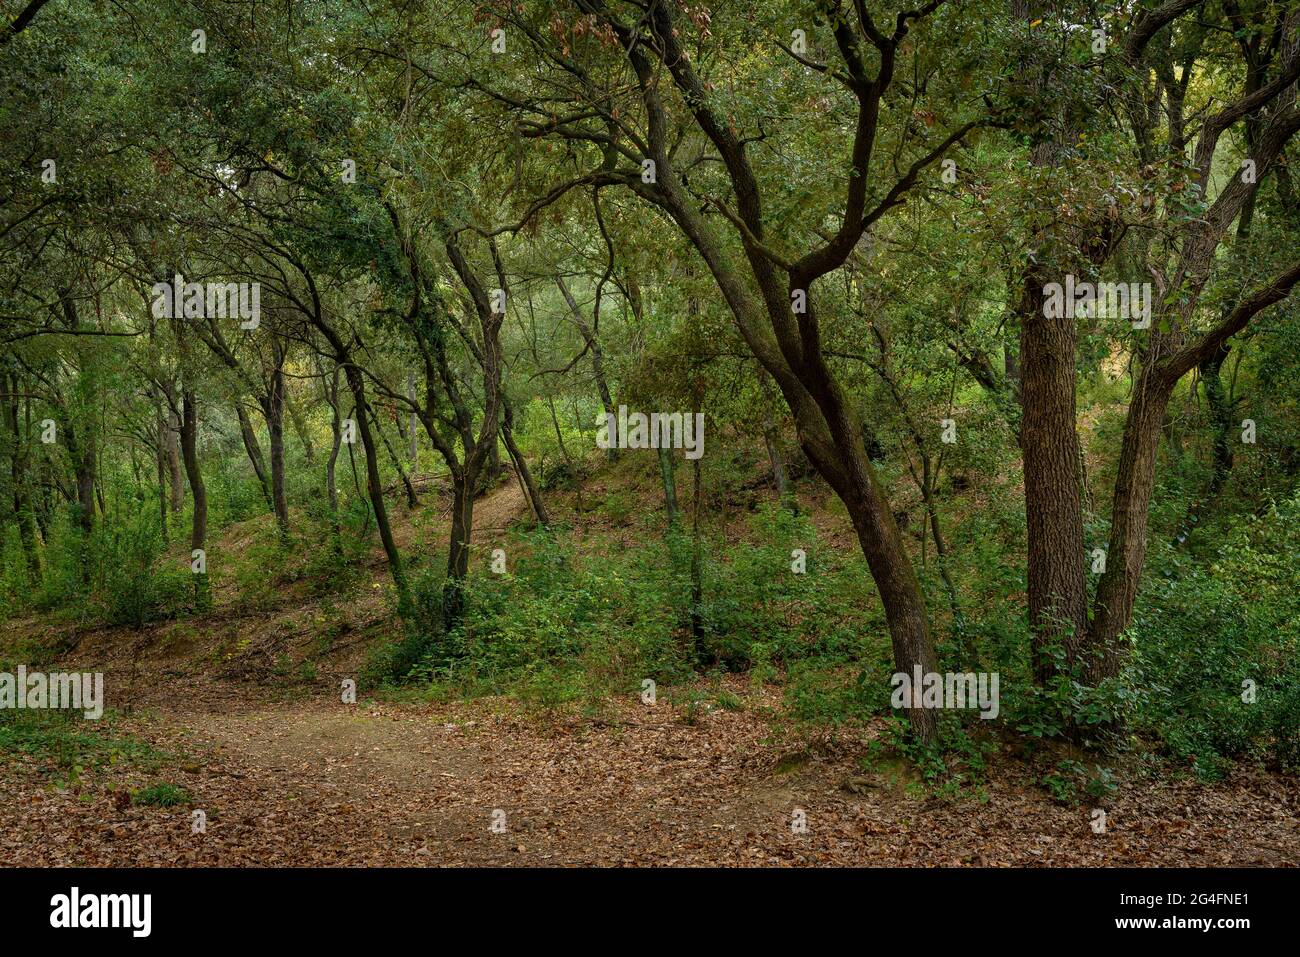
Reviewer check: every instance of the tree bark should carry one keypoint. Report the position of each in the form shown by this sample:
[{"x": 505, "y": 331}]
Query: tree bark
[
  {"x": 19, "y": 460},
  {"x": 175, "y": 470},
  {"x": 254, "y": 450},
  {"x": 374, "y": 486},
  {"x": 198, "y": 491},
  {"x": 525, "y": 474},
  {"x": 1058, "y": 596},
  {"x": 275, "y": 427}
]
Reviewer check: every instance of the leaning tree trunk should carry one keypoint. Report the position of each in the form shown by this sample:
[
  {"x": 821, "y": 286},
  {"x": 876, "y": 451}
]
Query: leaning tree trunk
[
  {"x": 1134, "y": 484},
  {"x": 521, "y": 465},
  {"x": 374, "y": 485},
  {"x": 254, "y": 450}
]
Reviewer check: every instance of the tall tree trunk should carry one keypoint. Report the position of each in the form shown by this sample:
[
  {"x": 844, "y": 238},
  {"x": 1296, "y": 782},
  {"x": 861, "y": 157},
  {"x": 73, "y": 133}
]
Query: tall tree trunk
[
  {"x": 669, "y": 481},
  {"x": 531, "y": 491},
  {"x": 697, "y": 569},
  {"x": 254, "y": 450},
  {"x": 198, "y": 491},
  {"x": 463, "y": 481},
  {"x": 411, "y": 500},
  {"x": 374, "y": 485},
  {"x": 160, "y": 461},
  {"x": 275, "y": 428},
  {"x": 81, "y": 451},
  {"x": 1058, "y": 596},
  {"x": 1134, "y": 484},
  {"x": 413, "y": 427},
  {"x": 175, "y": 471},
  {"x": 18, "y": 478},
  {"x": 331, "y": 481},
  {"x": 1220, "y": 418}
]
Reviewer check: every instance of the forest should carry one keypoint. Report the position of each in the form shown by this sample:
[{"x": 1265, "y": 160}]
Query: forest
[{"x": 650, "y": 432}]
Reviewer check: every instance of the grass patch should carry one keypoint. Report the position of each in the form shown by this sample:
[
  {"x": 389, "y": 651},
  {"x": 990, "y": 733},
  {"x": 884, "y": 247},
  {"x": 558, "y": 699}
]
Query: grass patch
[
  {"x": 162, "y": 795},
  {"x": 70, "y": 744}
]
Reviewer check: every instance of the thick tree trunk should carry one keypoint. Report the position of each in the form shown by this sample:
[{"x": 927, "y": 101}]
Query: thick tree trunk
[
  {"x": 1058, "y": 596},
  {"x": 462, "y": 530}
]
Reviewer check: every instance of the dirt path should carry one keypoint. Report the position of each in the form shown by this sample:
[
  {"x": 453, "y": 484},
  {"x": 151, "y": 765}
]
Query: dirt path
[
  {"x": 287, "y": 774},
  {"x": 313, "y": 782}
]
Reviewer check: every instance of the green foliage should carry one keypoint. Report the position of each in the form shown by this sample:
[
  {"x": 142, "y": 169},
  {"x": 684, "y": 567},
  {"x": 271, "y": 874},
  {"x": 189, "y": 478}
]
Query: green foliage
[
  {"x": 68, "y": 743},
  {"x": 1202, "y": 630},
  {"x": 162, "y": 795},
  {"x": 117, "y": 576}
]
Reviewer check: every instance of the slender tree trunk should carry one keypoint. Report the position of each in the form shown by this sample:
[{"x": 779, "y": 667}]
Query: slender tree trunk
[
  {"x": 198, "y": 491},
  {"x": 411, "y": 500},
  {"x": 374, "y": 485},
  {"x": 1134, "y": 484},
  {"x": 18, "y": 478},
  {"x": 175, "y": 470},
  {"x": 275, "y": 428},
  {"x": 254, "y": 450},
  {"x": 697, "y": 570},
  {"x": 81, "y": 451},
  {"x": 525, "y": 474},
  {"x": 160, "y": 460},
  {"x": 413, "y": 427},
  {"x": 331, "y": 481},
  {"x": 669, "y": 481},
  {"x": 1220, "y": 418}
]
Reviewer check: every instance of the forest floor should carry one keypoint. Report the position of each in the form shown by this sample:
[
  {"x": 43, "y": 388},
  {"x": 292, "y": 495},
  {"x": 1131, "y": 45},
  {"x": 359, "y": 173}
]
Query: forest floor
[
  {"x": 711, "y": 774},
  {"x": 292, "y": 780}
]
